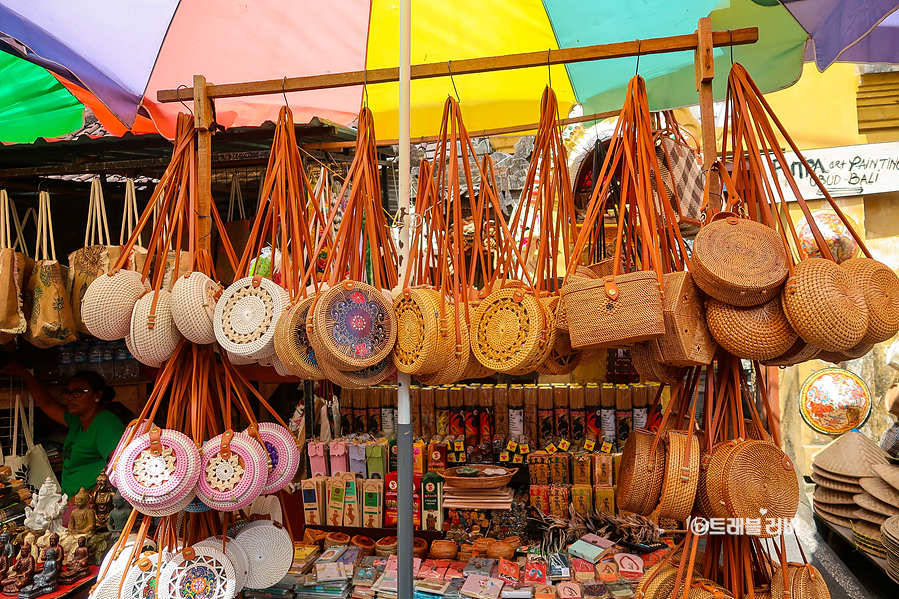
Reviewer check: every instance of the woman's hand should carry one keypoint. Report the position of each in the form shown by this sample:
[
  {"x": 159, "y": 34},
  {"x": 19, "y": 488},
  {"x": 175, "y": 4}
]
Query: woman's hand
[{"x": 16, "y": 369}]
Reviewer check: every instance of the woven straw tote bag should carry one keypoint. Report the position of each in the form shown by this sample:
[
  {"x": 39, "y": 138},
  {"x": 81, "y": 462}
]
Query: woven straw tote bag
[
  {"x": 153, "y": 332},
  {"x": 797, "y": 580},
  {"x": 12, "y": 319},
  {"x": 880, "y": 287},
  {"x": 246, "y": 316},
  {"x": 754, "y": 332},
  {"x": 193, "y": 301}
]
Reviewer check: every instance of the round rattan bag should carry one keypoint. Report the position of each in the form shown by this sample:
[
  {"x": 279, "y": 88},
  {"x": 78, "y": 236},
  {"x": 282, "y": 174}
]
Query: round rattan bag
[
  {"x": 359, "y": 379},
  {"x": 292, "y": 342},
  {"x": 140, "y": 578},
  {"x": 354, "y": 326},
  {"x": 880, "y": 287},
  {"x": 158, "y": 471},
  {"x": 234, "y": 473},
  {"x": 547, "y": 338},
  {"x": 739, "y": 261},
  {"x": 111, "y": 468},
  {"x": 154, "y": 335},
  {"x": 825, "y": 306},
  {"x": 193, "y": 307},
  {"x": 506, "y": 329},
  {"x": 198, "y": 572},
  {"x": 283, "y": 454},
  {"x": 420, "y": 348},
  {"x": 800, "y": 351},
  {"x": 109, "y": 301},
  {"x": 235, "y": 554},
  {"x": 754, "y": 332},
  {"x": 639, "y": 478},
  {"x": 269, "y": 551},
  {"x": 804, "y": 582},
  {"x": 246, "y": 316}
]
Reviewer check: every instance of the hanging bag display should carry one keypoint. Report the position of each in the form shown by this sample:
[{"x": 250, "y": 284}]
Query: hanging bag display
[
  {"x": 32, "y": 467},
  {"x": 130, "y": 217},
  {"x": 12, "y": 319},
  {"x": 50, "y": 319}
]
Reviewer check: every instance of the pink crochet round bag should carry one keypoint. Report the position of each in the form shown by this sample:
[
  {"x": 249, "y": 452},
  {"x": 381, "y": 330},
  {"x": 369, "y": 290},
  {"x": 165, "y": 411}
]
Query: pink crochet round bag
[
  {"x": 159, "y": 469},
  {"x": 283, "y": 454},
  {"x": 234, "y": 471}
]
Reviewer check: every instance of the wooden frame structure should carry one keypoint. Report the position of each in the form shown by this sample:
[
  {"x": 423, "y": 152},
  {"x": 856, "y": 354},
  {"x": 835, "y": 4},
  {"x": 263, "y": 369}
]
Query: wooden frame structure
[{"x": 702, "y": 42}]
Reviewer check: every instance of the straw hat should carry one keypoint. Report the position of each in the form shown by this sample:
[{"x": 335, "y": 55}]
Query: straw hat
[
  {"x": 891, "y": 397},
  {"x": 849, "y": 480},
  {"x": 825, "y": 495},
  {"x": 872, "y": 517},
  {"x": 872, "y": 504},
  {"x": 888, "y": 472},
  {"x": 868, "y": 534},
  {"x": 851, "y": 454},
  {"x": 879, "y": 488},
  {"x": 843, "y": 511},
  {"x": 836, "y": 485},
  {"x": 832, "y": 519},
  {"x": 890, "y": 532}
]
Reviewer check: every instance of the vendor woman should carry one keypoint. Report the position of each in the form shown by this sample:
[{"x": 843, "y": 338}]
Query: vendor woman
[{"x": 94, "y": 431}]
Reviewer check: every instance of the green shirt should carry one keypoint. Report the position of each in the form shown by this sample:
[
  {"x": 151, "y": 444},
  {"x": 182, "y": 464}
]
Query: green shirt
[{"x": 85, "y": 452}]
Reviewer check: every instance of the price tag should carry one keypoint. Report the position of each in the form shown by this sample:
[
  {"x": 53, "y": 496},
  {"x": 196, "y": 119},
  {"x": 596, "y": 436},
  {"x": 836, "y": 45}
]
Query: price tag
[
  {"x": 589, "y": 445},
  {"x": 551, "y": 448},
  {"x": 606, "y": 447},
  {"x": 504, "y": 456},
  {"x": 524, "y": 449},
  {"x": 564, "y": 444},
  {"x": 512, "y": 446}
]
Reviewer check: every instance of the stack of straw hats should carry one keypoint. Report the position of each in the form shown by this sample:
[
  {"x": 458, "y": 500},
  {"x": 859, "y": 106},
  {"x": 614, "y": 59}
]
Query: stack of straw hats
[
  {"x": 890, "y": 537},
  {"x": 850, "y": 488}
]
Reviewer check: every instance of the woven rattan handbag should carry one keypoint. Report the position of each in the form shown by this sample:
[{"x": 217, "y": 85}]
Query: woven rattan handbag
[
  {"x": 678, "y": 491},
  {"x": 797, "y": 580},
  {"x": 754, "y": 332},
  {"x": 687, "y": 340}
]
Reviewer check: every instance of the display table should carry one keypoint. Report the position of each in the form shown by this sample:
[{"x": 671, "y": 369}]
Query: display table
[
  {"x": 846, "y": 535},
  {"x": 78, "y": 589}
]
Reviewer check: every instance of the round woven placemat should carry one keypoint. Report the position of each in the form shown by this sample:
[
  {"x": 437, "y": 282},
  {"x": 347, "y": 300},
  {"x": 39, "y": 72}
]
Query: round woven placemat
[
  {"x": 872, "y": 504},
  {"x": 835, "y": 485},
  {"x": 880, "y": 489},
  {"x": 829, "y": 496}
]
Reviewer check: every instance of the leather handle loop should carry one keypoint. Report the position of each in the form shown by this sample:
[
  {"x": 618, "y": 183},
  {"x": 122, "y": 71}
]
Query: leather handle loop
[
  {"x": 225, "y": 452},
  {"x": 155, "y": 445}
]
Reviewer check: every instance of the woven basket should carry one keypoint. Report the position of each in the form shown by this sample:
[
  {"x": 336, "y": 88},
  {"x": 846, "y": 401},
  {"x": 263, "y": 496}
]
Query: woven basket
[
  {"x": 880, "y": 287},
  {"x": 359, "y": 379},
  {"x": 687, "y": 341},
  {"x": 803, "y": 582},
  {"x": 153, "y": 332},
  {"x": 365, "y": 544},
  {"x": 444, "y": 549},
  {"x": 235, "y": 555},
  {"x": 269, "y": 551},
  {"x": 506, "y": 329},
  {"x": 760, "y": 480},
  {"x": 678, "y": 492},
  {"x": 825, "y": 306},
  {"x": 639, "y": 480},
  {"x": 419, "y": 345},
  {"x": 739, "y": 261},
  {"x": 354, "y": 325},
  {"x": 753, "y": 332},
  {"x": 452, "y": 479},
  {"x": 500, "y": 550},
  {"x": 109, "y": 301},
  {"x": 246, "y": 316},
  {"x": 337, "y": 539},
  {"x": 616, "y": 311},
  {"x": 292, "y": 344},
  {"x": 646, "y": 362},
  {"x": 419, "y": 547},
  {"x": 193, "y": 307},
  {"x": 232, "y": 483},
  {"x": 799, "y": 352},
  {"x": 385, "y": 546}
]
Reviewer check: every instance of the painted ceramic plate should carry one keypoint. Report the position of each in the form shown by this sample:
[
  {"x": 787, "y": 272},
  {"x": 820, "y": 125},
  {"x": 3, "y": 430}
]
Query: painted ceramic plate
[{"x": 834, "y": 401}]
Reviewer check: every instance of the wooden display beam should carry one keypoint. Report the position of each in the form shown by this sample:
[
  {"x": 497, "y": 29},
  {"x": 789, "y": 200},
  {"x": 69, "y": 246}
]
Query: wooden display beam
[{"x": 659, "y": 45}]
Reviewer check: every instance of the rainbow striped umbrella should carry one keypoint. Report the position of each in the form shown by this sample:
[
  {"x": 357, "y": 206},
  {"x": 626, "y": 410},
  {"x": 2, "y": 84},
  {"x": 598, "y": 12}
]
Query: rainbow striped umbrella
[{"x": 114, "y": 56}]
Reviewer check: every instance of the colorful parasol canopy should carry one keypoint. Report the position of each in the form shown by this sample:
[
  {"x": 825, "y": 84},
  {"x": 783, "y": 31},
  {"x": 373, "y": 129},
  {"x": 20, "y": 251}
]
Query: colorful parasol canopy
[{"x": 114, "y": 56}]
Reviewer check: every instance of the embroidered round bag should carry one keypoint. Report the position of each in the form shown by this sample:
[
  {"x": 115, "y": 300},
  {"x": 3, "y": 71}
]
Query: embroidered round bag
[
  {"x": 269, "y": 551},
  {"x": 283, "y": 454},
  {"x": 246, "y": 316},
  {"x": 354, "y": 326},
  {"x": 234, "y": 471},
  {"x": 198, "y": 573},
  {"x": 158, "y": 471},
  {"x": 193, "y": 307}
]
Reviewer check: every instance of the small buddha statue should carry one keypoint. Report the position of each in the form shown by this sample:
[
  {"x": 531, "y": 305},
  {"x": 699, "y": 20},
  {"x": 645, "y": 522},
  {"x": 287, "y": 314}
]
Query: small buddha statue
[
  {"x": 57, "y": 550},
  {"x": 45, "y": 582},
  {"x": 22, "y": 573},
  {"x": 9, "y": 550},
  {"x": 102, "y": 499},
  {"x": 83, "y": 520},
  {"x": 79, "y": 566},
  {"x": 4, "y": 561},
  {"x": 118, "y": 517}
]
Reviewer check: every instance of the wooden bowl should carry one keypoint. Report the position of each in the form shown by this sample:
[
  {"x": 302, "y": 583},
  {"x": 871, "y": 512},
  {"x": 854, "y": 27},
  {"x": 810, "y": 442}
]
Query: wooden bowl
[{"x": 481, "y": 481}]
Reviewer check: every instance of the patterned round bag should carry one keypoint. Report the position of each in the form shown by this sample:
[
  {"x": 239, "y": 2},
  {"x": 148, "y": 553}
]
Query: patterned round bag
[
  {"x": 109, "y": 301},
  {"x": 193, "y": 307},
  {"x": 198, "y": 573},
  {"x": 354, "y": 326},
  {"x": 140, "y": 578},
  {"x": 292, "y": 342},
  {"x": 269, "y": 551},
  {"x": 359, "y": 379},
  {"x": 158, "y": 471},
  {"x": 235, "y": 554},
  {"x": 234, "y": 471},
  {"x": 506, "y": 329},
  {"x": 283, "y": 454},
  {"x": 420, "y": 347},
  {"x": 246, "y": 316}
]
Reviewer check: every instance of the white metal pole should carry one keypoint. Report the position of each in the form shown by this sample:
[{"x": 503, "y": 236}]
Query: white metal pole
[{"x": 404, "y": 413}]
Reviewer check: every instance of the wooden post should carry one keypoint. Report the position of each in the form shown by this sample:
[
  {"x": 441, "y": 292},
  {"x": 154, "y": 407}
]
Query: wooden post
[
  {"x": 704, "y": 62},
  {"x": 203, "y": 122}
]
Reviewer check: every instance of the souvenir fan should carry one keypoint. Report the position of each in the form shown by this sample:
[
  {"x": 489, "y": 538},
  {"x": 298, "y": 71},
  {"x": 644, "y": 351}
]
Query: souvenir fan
[
  {"x": 109, "y": 301},
  {"x": 248, "y": 313},
  {"x": 351, "y": 324},
  {"x": 840, "y": 308}
]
